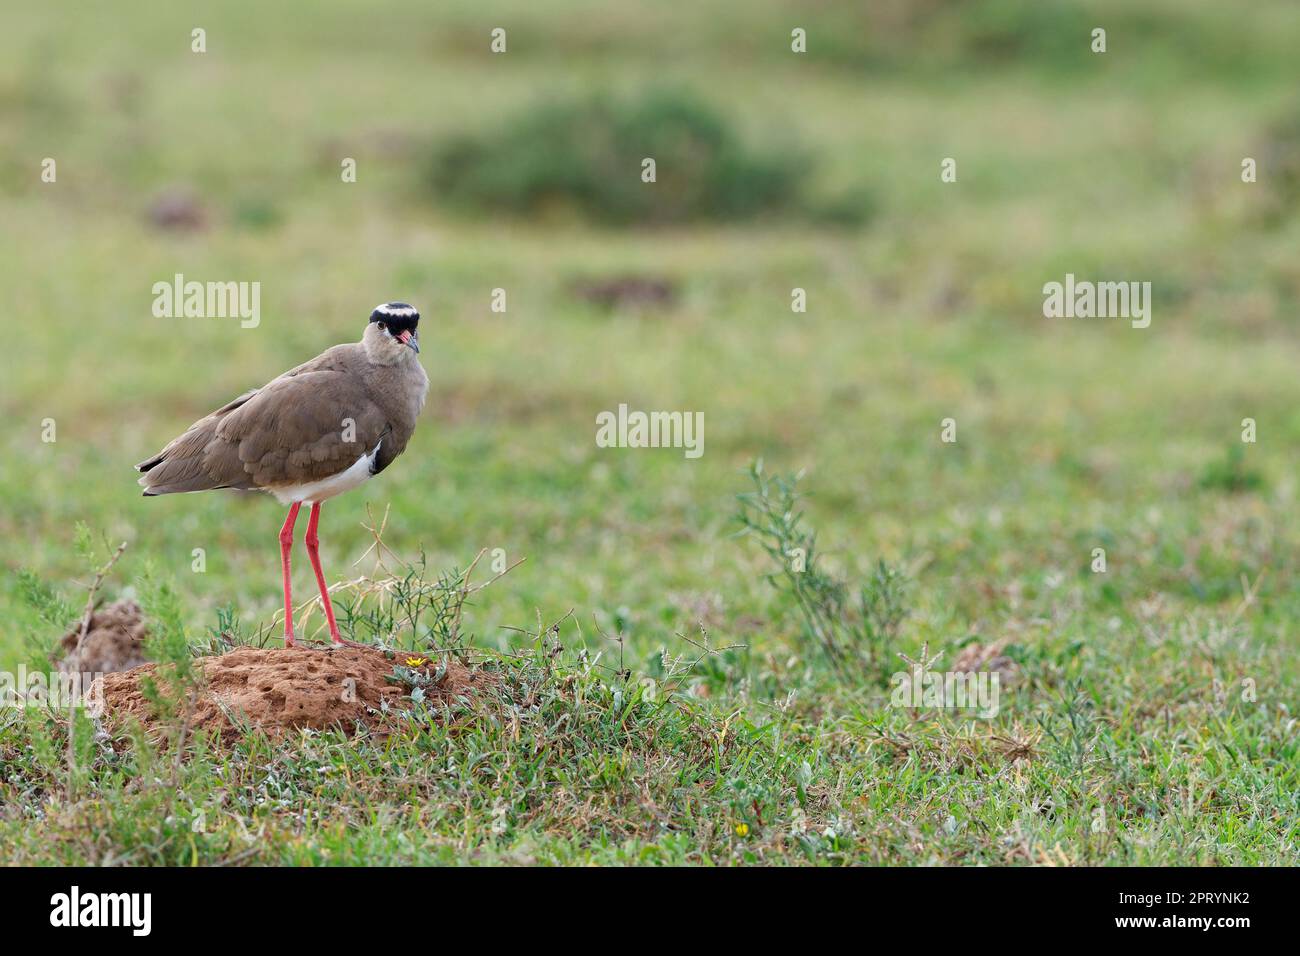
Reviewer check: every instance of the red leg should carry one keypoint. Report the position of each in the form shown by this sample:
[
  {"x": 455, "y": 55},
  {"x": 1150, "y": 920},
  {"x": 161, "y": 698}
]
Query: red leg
[
  {"x": 312, "y": 540},
  {"x": 286, "y": 546}
]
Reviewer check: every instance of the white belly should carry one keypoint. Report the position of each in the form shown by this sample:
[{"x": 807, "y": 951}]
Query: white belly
[{"x": 355, "y": 474}]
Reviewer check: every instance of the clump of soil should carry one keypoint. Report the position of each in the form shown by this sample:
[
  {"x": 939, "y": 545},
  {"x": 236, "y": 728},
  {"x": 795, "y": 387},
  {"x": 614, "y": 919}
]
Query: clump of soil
[
  {"x": 987, "y": 657},
  {"x": 114, "y": 641},
  {"x": 177, "y": 210},
  {"x": 627, "y": 292},
  {"x": 279, "y": 690}
]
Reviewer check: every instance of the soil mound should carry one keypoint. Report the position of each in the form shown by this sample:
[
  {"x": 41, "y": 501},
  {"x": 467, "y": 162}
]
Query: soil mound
[
  {"x": 987, "y": 657},
  {"x": 285, "y": 689},
  {"x": 114, "y": 641}
]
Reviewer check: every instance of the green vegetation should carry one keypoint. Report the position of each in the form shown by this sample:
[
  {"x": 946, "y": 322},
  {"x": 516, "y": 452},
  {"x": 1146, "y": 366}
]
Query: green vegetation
[
  {"x": 1151, "y": 714},
  {"x": 575, "y": 155}
]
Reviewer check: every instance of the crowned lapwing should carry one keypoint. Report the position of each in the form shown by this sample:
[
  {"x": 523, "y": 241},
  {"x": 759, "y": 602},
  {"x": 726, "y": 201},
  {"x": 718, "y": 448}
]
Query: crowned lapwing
[{"x": 315, "y": 432}]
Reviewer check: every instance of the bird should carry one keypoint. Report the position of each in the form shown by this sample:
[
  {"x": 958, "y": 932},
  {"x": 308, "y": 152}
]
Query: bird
[{"x": 320, "y": 429}]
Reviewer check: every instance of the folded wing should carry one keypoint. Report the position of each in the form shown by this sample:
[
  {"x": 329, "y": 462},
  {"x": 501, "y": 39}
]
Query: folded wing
[{"x": 308, "y": 425}]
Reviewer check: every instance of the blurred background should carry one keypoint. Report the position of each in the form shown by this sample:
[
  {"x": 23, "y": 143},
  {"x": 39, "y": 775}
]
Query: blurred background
[{"x": 520, "y": 171}]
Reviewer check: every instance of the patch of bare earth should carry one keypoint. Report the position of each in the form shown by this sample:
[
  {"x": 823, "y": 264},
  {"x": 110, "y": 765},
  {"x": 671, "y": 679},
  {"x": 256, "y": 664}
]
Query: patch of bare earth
[
  {"x": 279, "y": 690},
  {"x": 987, "y": 657},
  {"x": 114, "y": 641},
  {"x": 627, "y": 292}
]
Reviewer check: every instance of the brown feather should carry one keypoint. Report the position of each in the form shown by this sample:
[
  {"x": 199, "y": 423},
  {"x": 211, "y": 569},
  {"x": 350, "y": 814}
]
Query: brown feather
[{"x": 291, "y": 431}]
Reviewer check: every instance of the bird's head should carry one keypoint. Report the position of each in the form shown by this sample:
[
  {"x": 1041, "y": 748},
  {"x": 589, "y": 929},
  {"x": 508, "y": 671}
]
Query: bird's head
[{"x": 392, "y": 330}]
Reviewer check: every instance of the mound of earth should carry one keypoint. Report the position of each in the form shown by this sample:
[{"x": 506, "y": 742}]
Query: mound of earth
[
  {"x": 987, "y": 657},
  {"x": 626, "y": 292},
  {"x": 285, "y": 689},
  {"x": 114, "y": 641}
]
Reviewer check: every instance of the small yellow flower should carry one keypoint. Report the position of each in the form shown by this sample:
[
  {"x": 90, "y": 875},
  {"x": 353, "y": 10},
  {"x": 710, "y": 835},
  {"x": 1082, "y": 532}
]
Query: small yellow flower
[
  {"x": 742, "y": 829},
  {"x": 416, "y": 661}
]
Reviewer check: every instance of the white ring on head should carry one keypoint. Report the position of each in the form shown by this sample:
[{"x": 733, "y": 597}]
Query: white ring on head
[{"x": 397, "y": 312}]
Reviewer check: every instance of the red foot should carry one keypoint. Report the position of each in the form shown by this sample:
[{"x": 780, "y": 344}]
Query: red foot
[{"x": 344, "y": 642}]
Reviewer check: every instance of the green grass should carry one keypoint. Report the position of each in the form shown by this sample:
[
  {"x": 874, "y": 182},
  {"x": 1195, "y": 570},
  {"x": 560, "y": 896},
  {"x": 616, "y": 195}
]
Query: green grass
[{"x": 1072, "y": 435}]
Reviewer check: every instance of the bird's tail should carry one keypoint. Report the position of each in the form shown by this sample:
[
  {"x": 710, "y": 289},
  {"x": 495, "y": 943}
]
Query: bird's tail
[
  {"x": 199, "y": 460},
  {"x": 179, "y": 467}
]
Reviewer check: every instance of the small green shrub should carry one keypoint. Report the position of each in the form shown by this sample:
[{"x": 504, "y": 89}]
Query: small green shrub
[
  {"x": 1231, "y": 474},
  {"x": 585, "y": 156},
  {"x": 855, "y": 629}
]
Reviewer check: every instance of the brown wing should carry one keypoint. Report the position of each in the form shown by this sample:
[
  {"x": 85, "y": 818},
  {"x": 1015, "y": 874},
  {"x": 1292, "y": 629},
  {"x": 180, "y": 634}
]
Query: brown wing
[
  {"x": 183, "y": 464},
  {"x": 309, "y": 424},
  {"x": 302, "y": 429}
]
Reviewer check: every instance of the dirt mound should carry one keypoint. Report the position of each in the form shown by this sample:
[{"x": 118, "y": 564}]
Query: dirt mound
[
  {"x": 624, "y": 292},
  {"x": 114, "y": 641},
  {"x": 177, "y": 209},
  {"x": 987, "y": 657},
  {"x": 284, "y": 689}
]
